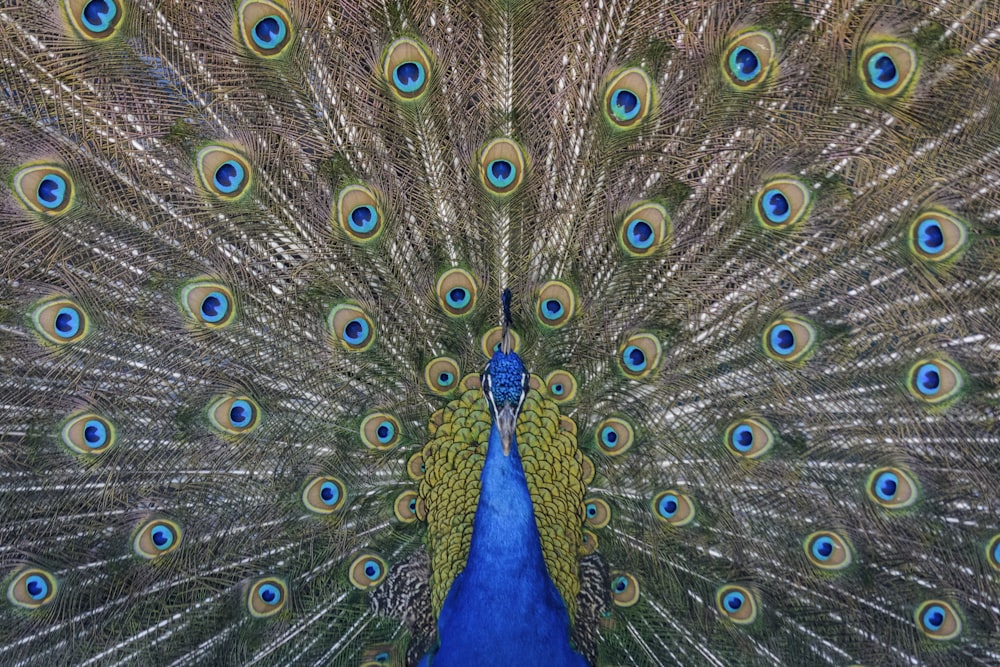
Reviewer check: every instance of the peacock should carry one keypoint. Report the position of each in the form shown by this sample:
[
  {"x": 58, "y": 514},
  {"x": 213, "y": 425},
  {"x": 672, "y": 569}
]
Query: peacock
[{"x": 500, "y": 332}]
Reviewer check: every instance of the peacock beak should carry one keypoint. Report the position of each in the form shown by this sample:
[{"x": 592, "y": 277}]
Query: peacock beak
[{"x": 506, "y": 423}]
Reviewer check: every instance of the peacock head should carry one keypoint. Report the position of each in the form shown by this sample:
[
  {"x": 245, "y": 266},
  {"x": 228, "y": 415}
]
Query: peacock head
[{"x": 505, "y": 382}]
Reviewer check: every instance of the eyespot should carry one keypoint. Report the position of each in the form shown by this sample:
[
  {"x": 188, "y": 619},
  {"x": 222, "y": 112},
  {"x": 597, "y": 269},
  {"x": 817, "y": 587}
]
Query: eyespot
[
  {"x": 934, "y": 381},
  {"x": 442, "y": 375},
  {"x": 156, "y": 538},
  {"x": 223, "y": 172},
  {"x": 501, "y": 166},
  {"x": 748, "y": 59},
  {"x": 555, "y": 304},
  {"x": 737, "y": 603},
  {"x": 587, "y": 470},
  {"x": 614, "y": 436},
  {"x": 367, "y": 571},
  {"x": 749, "y": 438},
  {"x": 827, "y": 550},
  {"x": 407, "y": 506},
  {"x": 639, "y": 356},
  {"x": 94, "y": 19},
  {"x": 407, "y": 69},
  {"x": 789, "y": 339},
  {"x": 31, "y": 588},
  {"x": 88, "y": 434},
  {"x": 588, "y": 543},
  {"x": 644, "y": 229},
  {"x": 324, "y": 495},
  {"x": 60, "y": 321},
  {"x": 937, "y": 236},
  {"x": 380, "y": 430},
  {"x": 596, "y": 513},
  {"x": 892, "y": 488},
  {"x": 491, "y": 341},
  {"x": 359, "y": 213},
  {"x": 264, "y": 27},
  {"x": 887, "y": 68},
  {"x": 235, "y": 414},
  {"x": 938, "y": 620},
  {"x": 673, "y": 507},
  {"x": 415, "y": 466},
  {"x": 624, "y": 589},
  {"x": 993, "y": 552},
  {"x": 781, "y": 203},
  {"x": 628, "y": 98},
  {"x": 44, "y": 188},
  {"x": 209, "y": 304},
  {"x": 267, "y": 597},
  {"x": 561, "y": 386},
  {"x": 352, "y": 327},
  {"x": 456, "y": 292}
]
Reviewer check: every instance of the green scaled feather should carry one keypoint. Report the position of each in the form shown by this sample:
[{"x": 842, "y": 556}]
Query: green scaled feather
[{"x": 251, "y": 259}]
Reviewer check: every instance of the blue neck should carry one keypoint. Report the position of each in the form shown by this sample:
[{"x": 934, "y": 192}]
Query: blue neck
[{"x": 503, "y": 609}]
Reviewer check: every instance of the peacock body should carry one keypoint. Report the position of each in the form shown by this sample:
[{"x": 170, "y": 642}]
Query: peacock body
[{"x": 266, "y": 399}]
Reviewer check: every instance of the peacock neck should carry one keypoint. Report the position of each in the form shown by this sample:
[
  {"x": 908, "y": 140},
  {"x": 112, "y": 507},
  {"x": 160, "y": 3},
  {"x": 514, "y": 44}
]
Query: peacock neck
[{"x": 504, "y": 609}]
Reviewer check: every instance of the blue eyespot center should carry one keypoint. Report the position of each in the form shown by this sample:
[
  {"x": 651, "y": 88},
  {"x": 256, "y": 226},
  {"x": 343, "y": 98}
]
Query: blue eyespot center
[
  {"x": 445, "y": 378},
  {"x": 733, "y": 601},
  {"x": 634, "y": 358},
  {"x": 385, "y": 432},
  {"x": 822, "y": 548},
  {"x": 98, "y": 15},
  {"x": 408, "y": 77},
  {"x": 619, "y": 585},
  {"x": 356, "y": 331},
  {"x": 363, "y": 219},
  {"x": 742, "y": 438},
  {"x": 782, "y": 339},
  {"x": 413, "y": 505},
  {"x": 269, "y": 32},
  {"x": 882, "y": 70},
  {"x": 609, "y": 436},
  {"x": 214, "y": 307},
  {"x": 625, "y": 104},
  {"x": 162, "y": 537},
  {"x": 591, "y": 510},
  {"x": 744, "y": 63},
  {"x": 558, "y": 389},
  {"x": 270, "y": 594},
  {"x": 240, "y": 413},
  {"x": 552, "y": 309},
  {"x": 94, "y": 433},
  {"x": 930, "y": 236},
  {"x": 372, "y": 569},
  {"x": 52, "y": 191},
  {"x": 458, "y": 297},
  {"x": 668, "y": 506},
  {"x": 934, "y": 617},
  {"x": 776, "y": 206},
  {"x": 928, "y": 379},
  {"x": 229, "y": 177},
  {"x": 37, "y": 587},
  {"x": 67, "y": 322},
  {"x": 329, "y": 493},
  {"x": 501, "y": 173},
  {"x": 640, "y": 234},
  {"x": 886, "y": 485}
]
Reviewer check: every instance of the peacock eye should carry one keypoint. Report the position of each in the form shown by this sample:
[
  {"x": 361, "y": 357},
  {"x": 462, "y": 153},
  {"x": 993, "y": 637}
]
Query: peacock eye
[
  {"x": 323, "y": 495},
  {"x": 234, "y": 415},
  {"x": 737, "y": 603},
  {"x": 380, "y": 430},
  {"x": 624, "y": 589},
  {"x": 501, "y": 164},
  {"x": 673, "y": 507},
  {"x": 94, "y": 20},
  {"x": 789, "y": 339},
  {"x": 223, "y": 172},
  {"x": 827, "y": 550},
  {"x": 555, "y": 304},
  {"x": 156, "y": 538},
  {"x": 614, "y": 436},
  {"x": 562, "y": 386},
  {"x": 644, "y": 229},
  {"x": 888, "y": 68},
  {"x": 456, "y": 292},
  {"x": 935, "y": 381},
  {"x": 60, "y": 321},
  {"x": 937, "y": 236},
  {"x": 265, "y": 27},
  {"x": 782, "y": 203},
  {"x": 208, "y": 304},
  {"x": 628, "y": 98},
  {"x": 406, "y": 68},
  {"x": 892, "y": 488},
  {"x": 88, "y": 434},
  {"x": 597, "y": 513},
  {"x": 44, "y": 188},
  {"x": 441, "y": 375},
  {"x": 266, "y": 597},
  {"x": 367, "y": 571},
  {"x": 352, "y": 327},
  {"x": 938, "y": 620},
  {"x": 407, "y": 506},
  {"x": 749, "y": 438},
  {"x": 32, "y": 588},
  {"x": 748, "y": 59},
  {"x": 639, "y": 355}
]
